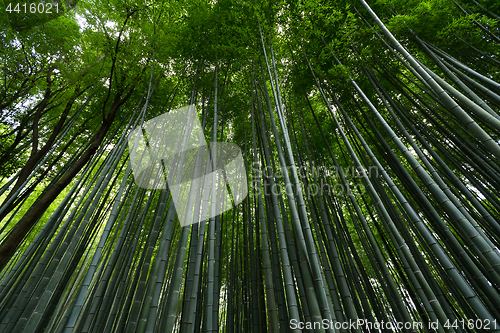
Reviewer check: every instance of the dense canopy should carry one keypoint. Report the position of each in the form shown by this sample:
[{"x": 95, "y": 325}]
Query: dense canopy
[{"x": 370, "y": 135}]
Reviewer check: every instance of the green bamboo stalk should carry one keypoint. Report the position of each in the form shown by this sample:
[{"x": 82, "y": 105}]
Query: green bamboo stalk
[{"x": 451, "y": 105}]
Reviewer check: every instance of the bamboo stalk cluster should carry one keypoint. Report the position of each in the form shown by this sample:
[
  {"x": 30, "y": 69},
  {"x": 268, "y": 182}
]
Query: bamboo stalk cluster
[{"x": 416, "y": 242}]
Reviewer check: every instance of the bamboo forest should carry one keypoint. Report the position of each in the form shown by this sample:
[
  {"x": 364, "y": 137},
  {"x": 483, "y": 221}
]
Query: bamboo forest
[{"x": 351, "y": 152}]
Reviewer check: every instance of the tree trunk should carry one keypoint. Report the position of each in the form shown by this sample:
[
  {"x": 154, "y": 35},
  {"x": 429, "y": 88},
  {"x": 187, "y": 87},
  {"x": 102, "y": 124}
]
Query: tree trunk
[{"x": 11, "y": 243}]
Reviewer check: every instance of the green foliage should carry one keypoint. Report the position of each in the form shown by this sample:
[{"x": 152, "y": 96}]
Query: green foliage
[{"x": 256, "y": 260}]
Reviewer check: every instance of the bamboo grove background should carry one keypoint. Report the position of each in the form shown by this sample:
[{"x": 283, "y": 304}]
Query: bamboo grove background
[{"x": 370, "y": 133}]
